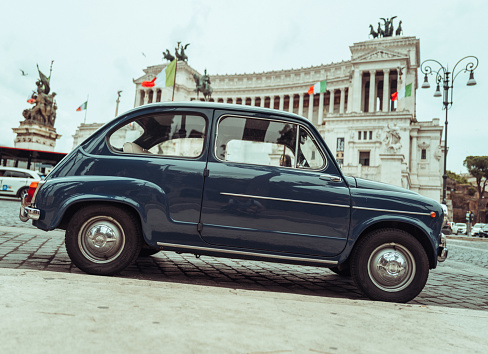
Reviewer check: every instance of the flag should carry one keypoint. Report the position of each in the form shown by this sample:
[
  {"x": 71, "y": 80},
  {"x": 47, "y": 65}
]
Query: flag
[
  {"x": 318, "y": 87},
  {"x": 82, "y": 107},
  {"x": 31, "y": 100},
  {"x": 165, "y": 78},
  {"x": 405, "y": 91}
]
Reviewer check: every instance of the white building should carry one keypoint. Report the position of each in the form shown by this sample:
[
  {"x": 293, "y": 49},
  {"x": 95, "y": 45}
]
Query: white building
[{"x": 371, "y": 136}]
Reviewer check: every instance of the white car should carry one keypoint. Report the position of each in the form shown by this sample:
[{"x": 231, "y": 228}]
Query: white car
[
  {"x": 15, "y": 181},
  {"x": 454, "y": 228},
  {"x": 461, "y": 228},
  {"x": 476, "y": 228}
]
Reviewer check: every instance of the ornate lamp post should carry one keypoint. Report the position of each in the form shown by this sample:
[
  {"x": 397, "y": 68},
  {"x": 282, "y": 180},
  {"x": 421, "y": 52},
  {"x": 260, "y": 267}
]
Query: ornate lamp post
[{"x": 447, "y": 78}]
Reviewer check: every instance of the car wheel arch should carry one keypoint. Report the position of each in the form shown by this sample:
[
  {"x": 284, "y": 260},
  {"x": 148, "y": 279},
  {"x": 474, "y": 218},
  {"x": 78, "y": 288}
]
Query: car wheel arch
[
  {"x": 72, "y": 208},
  {"x": 414, "y": 230}
]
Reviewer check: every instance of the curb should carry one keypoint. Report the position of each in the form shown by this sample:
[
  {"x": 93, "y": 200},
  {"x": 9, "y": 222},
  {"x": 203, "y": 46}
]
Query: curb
[{"x": 466, "y": 238}]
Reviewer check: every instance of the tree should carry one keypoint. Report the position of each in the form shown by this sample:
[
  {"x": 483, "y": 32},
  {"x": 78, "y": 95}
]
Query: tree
[
  {"x": 455, "y": 177},
  {"x": 478, "y": 168}
]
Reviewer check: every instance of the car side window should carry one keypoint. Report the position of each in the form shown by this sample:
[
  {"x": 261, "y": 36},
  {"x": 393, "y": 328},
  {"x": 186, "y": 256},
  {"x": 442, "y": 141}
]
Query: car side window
[
  {"x": 14, "y": 174},
  {"x": 265, "y": 142},
  {"x": 163, "y": 134},
  {"x": 309, "y": 155}
]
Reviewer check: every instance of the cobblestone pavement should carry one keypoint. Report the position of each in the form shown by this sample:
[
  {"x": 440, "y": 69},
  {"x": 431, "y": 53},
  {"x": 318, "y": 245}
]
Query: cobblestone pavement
[{"x": 460, "y": 282}]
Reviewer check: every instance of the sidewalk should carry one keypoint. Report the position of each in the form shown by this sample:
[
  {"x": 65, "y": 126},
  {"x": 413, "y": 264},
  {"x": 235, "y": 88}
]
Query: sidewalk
[{"x": 53, "y": 312}]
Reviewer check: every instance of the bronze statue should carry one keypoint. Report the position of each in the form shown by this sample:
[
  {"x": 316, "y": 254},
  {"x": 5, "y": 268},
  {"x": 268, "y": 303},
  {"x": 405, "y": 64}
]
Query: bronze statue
[
  {"x": 181, "y": 55},
  {"x": 372, "y": 32},
  {"x": 44, "y": 111},
  {"x": 388, "y": 30},
  {"x": 167, "y": 55},
  {"x": 399, "y": 30},
  {"x": 203, "y": 85}
]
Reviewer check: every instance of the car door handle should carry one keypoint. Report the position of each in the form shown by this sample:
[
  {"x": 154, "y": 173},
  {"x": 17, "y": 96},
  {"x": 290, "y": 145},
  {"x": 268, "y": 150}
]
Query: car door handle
[{"x": 331, "y": 178}]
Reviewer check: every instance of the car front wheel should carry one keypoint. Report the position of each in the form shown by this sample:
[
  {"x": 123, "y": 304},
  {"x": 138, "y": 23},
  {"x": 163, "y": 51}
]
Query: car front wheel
[
  {"x": 390, "y": 265},
  {"x": 103, "y": 240}
]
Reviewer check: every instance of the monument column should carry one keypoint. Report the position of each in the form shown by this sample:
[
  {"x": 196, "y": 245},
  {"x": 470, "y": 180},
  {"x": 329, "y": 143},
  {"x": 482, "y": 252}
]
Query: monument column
[
  {"x": 331, "y": 101},
  {"x": 253, "y": 101},
  {"x": 292, "y": 100},
  {"x": 372, "y": 91},
  {"x": 356, "y": 91},
  {"x": 271, "y": 101},
  {"x": 386, "y": 90},
  {"x": 282, "y": 102},
  {"x": 310, "y": 110},
  {"x": 343, "y": 100},
  {"x": 300, "y": 104},
  {"x": 146, "y": 96},
  {"x": 262, "y": 100},
  {"x": 320, "y": 118}
]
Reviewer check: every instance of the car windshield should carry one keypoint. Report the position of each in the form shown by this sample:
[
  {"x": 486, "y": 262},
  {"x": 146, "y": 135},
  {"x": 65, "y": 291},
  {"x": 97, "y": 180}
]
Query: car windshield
[
  {"x": 460, "y": 224},
  {"x": 478, "y": 225}
]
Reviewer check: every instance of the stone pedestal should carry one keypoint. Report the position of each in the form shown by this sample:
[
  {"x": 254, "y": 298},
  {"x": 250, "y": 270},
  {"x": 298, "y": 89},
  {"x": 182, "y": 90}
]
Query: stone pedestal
[
  {"x": 34, "y": 136},
  {"x": 391, "y": 168}
]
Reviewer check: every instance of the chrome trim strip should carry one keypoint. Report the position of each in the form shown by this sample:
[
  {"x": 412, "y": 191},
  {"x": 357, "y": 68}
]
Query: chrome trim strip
[
  {"x": 284, "y": 200},
  {"x": 392, "y": 211},
  {"x": 196, "y": 248}
]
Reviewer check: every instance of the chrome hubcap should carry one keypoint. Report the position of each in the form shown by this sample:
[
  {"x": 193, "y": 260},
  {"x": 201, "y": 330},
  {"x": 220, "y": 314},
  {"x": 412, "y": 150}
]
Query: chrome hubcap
[
  {"x": 101, "y": 239},
  {"x": 391, "y": 267}
]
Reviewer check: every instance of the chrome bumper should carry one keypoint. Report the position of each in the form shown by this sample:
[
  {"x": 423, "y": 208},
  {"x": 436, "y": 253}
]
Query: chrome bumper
[
  {"x": 442, "y": 250},
  {"x": 27, "y": 212}
]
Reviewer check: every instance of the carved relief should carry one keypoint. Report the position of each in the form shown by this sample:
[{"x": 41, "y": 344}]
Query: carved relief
[{"x": 392, "y": 139}]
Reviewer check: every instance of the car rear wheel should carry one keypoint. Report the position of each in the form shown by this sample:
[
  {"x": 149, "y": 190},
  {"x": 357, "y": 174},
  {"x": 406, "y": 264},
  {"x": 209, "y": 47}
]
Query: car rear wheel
[
  {"x": 103, "y": 240},
  {"x": 390, "y": 265}
]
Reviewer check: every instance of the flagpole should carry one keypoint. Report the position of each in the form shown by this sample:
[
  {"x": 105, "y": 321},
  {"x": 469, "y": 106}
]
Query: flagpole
[
  {"x": 174, "y": 84},
  {"x": 84, "y": 122}
]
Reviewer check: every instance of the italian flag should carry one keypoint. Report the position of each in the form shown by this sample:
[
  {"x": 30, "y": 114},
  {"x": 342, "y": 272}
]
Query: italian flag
[
  {"x": 165, "y": 78},
  {"x": 318, "y": 87},
  {"x": 405, "y": 91},
  {"x": 82, "y": 107}
]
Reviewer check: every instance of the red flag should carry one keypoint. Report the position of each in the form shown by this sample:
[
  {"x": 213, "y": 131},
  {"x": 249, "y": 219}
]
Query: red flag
[
  {"x": 148, "y": 83},
  {"x": 31, "y": 100},
  {"x": 394, "y": 96}
]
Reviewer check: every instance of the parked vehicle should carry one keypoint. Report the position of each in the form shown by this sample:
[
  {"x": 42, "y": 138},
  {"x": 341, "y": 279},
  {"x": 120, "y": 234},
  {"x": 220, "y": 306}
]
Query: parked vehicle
[
  {"x": 454, "y": 227},
  {"x": 239, "y": 182},
  {"x": 476, "y": 229},
  {"x": 15, "y": 181},
  {"x": 461, "y": 228},
  {"x": 446, "y": 229},
  {"x": 484, "y": 231}
]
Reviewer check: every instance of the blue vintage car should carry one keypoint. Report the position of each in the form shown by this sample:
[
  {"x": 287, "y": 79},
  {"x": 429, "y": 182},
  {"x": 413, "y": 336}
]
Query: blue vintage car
[{"x": 234, "y": 181}]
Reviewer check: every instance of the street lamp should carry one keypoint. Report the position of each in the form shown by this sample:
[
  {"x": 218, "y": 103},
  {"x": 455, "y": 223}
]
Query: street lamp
[{"x": 446, "y": 78}]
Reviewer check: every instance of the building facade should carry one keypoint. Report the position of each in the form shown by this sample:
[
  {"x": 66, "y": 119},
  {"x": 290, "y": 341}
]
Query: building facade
[{"x": 371, "y": 136}]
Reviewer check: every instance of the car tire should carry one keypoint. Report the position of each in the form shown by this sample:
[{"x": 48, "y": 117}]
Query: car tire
[
  {"x": 389, "y": 265},
  {"x": 22, "y": 192},
  {"x": 103, "y": 240}
]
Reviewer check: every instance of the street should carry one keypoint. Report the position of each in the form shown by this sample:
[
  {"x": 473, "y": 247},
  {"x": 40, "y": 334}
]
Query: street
[{"x": 39, "y": 258}]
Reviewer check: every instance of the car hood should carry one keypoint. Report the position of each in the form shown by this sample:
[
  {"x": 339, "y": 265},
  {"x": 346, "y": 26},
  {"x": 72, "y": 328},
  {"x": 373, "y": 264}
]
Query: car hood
[{"x": 368, "y": 184}]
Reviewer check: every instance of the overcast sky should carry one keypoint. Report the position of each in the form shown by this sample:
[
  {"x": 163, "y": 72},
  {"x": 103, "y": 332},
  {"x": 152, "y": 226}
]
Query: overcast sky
[{"x": 97, "y": 50}]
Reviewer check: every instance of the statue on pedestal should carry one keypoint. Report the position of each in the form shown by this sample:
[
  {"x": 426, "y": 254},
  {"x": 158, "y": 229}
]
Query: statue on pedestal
[
  {"x": 44, "y": 110},
  {"x": 203, "y": 85}
]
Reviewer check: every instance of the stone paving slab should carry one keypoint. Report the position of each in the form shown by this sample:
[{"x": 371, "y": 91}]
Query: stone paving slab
[{"x": 453, "y": 284}]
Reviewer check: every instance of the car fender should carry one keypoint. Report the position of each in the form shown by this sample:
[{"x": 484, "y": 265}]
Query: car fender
[{"x": 58, "y": 195}]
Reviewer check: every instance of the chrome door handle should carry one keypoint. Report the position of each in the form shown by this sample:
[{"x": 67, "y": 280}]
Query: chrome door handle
[{"x": 331, "y": 178}]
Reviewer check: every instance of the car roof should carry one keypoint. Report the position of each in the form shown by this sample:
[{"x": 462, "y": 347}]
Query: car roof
[{"x": 214, "y": 105}]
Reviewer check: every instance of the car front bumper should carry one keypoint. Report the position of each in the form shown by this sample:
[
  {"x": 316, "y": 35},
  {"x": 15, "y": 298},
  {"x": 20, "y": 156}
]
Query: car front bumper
[{"x": 442, "y": 250}]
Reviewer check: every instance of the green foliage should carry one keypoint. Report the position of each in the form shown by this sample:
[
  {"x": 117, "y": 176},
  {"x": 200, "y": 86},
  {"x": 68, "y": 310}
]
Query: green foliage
[
  {"x": 471, "y": 191},
  {"x": 455, "y": 177},
  {"x": 477, "y": 166}
]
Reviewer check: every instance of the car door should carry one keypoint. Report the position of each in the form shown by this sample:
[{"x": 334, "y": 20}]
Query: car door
[
  {"x": 12, "y": 181},
  {"x": 270, "y": 186}
]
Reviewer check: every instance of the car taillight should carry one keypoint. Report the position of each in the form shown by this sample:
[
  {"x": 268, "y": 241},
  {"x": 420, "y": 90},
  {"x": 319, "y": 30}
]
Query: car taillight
[{"x": 30, "y": 193}]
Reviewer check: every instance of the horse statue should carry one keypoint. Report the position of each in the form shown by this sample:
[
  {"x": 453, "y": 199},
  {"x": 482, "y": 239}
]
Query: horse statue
[
  {"x": 399, "y": 30},
  {"x": 203, "y": 85},
  {"x": 167, "y": 55},
  {"x": 372, "y": 32},
  {"x": 381, "y": 33},
  {"x": 181, "y": 55}
]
